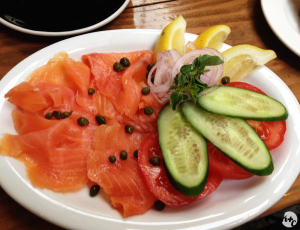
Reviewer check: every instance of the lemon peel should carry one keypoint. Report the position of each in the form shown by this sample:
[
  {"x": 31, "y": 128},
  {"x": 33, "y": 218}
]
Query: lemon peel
[
  {"x": 172, "y": 37},
  {"x": 213, "y": 37}
]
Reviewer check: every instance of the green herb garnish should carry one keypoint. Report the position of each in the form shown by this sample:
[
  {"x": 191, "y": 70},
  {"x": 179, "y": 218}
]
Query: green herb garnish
[{"x": 187, "y": 83}]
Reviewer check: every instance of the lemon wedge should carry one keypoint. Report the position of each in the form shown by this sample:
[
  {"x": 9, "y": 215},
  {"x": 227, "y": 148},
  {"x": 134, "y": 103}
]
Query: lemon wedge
[
  {"x": 172, "y": 37},
  {"x": 213, "y": 37},
  {"x": 242, "y": 60}
]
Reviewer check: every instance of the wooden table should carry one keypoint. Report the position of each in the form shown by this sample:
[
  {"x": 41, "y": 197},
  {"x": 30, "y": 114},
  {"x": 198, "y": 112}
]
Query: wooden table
[{"x": 248, "y": 26}]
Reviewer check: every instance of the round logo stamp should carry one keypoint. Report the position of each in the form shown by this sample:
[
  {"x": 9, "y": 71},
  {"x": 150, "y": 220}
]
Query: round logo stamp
[{"x": 290, "y": 219}]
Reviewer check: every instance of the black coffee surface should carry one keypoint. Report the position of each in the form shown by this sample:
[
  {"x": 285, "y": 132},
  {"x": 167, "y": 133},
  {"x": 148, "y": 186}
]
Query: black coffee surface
[{"x": 57, "y": 16}]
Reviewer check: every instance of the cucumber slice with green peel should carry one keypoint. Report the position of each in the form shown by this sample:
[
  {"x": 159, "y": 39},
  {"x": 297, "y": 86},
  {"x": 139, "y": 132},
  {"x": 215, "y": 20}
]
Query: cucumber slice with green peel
[
  {"x": 232, "y": 136},
  {"x": 184, "y": 152},
  {"x": 241, "y": 103}
]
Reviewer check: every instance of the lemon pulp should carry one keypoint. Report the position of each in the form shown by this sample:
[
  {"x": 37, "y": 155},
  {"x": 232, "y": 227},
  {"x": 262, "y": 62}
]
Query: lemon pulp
[{"x": 172, "y": 37}]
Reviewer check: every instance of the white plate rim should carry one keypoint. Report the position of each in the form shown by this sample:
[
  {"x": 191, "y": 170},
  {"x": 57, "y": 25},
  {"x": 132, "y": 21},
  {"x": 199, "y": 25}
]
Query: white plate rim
[
  {"x": 67, "y": 33},
  {"x": 274, "y": 12},
  {"x": 69, "y": 217}
]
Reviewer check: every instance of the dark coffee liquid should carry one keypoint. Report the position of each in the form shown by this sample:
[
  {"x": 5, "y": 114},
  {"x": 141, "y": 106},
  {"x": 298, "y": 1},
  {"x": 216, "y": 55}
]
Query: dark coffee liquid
[{"x": 57, "y": 15}]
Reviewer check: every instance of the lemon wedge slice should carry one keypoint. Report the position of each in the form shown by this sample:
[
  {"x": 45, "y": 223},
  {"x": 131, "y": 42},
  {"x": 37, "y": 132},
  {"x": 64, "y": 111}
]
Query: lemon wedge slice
[
  {"x": 242, "y": 60},
  {"x": 172, "y": 37},
  {"x": 213, "y": 37}
]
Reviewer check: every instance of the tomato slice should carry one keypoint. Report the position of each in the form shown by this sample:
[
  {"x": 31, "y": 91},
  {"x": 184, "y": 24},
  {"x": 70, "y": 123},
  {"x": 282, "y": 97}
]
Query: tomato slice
[
  {"x": 157, "y": 179},
  {"x": 244, "y": 85},
  {"x": 224, "y": 166},
  {"x": 271, "y": 132}
]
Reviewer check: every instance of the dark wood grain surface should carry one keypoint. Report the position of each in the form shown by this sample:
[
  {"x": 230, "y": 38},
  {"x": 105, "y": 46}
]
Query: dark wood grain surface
[{"x": 248, "y": 26}]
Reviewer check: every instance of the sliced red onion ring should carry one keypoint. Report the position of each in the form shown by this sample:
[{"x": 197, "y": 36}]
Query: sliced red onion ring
[
  {"x": 169, "y": 64},
  {"x": 213, "y": 76},
  {"x": 163, "y": 77}
]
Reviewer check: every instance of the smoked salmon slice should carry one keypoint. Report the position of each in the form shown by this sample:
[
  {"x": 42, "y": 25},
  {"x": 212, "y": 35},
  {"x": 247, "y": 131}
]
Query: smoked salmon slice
[
  {"x": 122, "y": 181},
  {"x": 27, "y": 121},
  {"x": 55, "y": 157},
  {"x": 62, "y": 70},
  {"x": 122, "y": 88},
  {"x": 141, "y": 121},
  {"x": 27, "y": 97},
  {"x": 104, "y": 107}
]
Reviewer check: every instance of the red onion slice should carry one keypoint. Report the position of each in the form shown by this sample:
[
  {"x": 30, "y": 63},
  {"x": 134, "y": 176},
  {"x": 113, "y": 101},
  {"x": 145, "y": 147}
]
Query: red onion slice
[
  {"x": 215, "y": 73},
  {"x": 169, "y": 64},
  {"x": 163, "y": 77}
]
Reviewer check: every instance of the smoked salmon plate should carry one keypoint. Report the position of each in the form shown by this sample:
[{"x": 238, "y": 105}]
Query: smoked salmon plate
[{"x": 95, "y": 134}]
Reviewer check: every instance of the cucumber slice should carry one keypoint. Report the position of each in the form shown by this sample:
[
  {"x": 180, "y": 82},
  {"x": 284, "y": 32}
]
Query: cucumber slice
[
  {"x": 184, "y": 152},
  {"x": 241, "y": 103},
  {"x": 232, "y": 136}
]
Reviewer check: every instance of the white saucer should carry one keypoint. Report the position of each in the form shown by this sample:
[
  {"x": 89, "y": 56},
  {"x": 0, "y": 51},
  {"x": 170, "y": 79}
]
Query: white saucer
[{"x": 283, "y": 18}]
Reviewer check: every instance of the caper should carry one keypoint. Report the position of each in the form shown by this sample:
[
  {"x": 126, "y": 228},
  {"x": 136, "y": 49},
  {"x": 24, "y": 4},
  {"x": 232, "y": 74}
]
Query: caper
[
  {"x": 91, "y": 91},
  {"x": 118, "y": 67},
  {"x": 123, "y": 155},
  {"x": 225, "y": 80},
  {"x": 159, "y": 205},
  {"x": 148, "y": 110},
  {"x": 125, "y": 62},
  {"x": 82, "y": 121},
  {"x": 154, "y": 161},
  {"x": 152, "y": 77},
  {"x": 67, "y": 114},
  {"x": 49, "y": 116},
  {"x": 149, "y": 66},
  {"x": 136, "y": 153},
  {"x": 94, "y": 190},
  {"x": 129, "y": 129},
  {"x": 112, "y": 159},
  {"x": 100, "y": 120},
  {"x": 145, "y": 90},
  {"x": 58, "y": 115}
]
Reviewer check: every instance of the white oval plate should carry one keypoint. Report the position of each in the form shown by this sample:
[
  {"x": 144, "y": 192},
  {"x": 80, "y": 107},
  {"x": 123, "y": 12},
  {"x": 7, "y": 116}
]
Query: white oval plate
[
  {"x": 66, "y": 33},
  {"x": 283, "y": 18},
  {"x": 232, "y": 204}
]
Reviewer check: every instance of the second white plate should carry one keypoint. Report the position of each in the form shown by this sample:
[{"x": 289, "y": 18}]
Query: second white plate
[{"x": 283, "y": 18}]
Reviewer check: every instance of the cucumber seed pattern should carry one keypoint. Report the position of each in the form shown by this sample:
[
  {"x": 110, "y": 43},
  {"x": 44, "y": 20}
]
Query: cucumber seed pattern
[
  {"x": 238, "y": 140},
  {"x": 184, "y": 152},
  {"x": 248, "y": 101},
  {"x": 234, "y": 137},
  {"x": 176, "y": 148}
]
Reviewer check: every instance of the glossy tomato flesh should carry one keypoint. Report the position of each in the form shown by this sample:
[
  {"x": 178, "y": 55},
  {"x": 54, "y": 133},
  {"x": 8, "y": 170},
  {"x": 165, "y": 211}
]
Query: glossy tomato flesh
[{"x": 224, "y": 166}]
